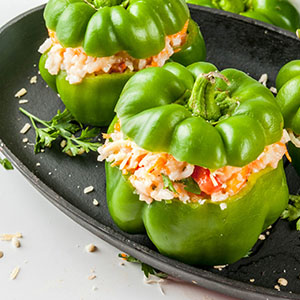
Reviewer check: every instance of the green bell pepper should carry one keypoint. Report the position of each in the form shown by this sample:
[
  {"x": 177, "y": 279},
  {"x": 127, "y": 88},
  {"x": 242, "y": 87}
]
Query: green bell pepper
[
  {"x": 236, "y": 114},
  {"x": 234, "y": 6},
  {"x": 171, "y": 109},
  {"x": 288, "y": 98},
  {"x": 280, "y": 12},
  {"x": 104, "y": 28},
  {"x": 93, "y": 100},
  {"x": 206, "y": 3},
  {"x": 201, "y": 234},
  {"x": 277, "y": 12}
]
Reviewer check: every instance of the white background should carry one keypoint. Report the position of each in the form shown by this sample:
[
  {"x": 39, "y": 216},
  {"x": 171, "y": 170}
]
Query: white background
[{"x": 52, "y": 258}]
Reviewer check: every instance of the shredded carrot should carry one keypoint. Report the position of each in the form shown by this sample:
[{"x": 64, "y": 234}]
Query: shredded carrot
[
  {"x": 105, "y": 135},
  {"x": 159, "y": 163},
  {"x": 117, "y": 126},
  {"x": 124, "y": 256},
  {"x": 288, "y": 156},
  {"x": 238, "y": 180},
  {"x": 116, "y": 163},
  {"x": 182, "y": 31}
]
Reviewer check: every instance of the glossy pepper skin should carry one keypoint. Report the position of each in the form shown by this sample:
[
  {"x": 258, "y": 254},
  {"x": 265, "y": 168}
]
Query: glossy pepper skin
[
  {"x": 277, "y": 12},
  {"x": 288, "y": 98},
  {"x": 105, "y": 29},
  {"x": 246, "y": 119},
  {"x": 93, "y": 100},
  {"x": 194, "y": 233},
  {"x": 201, "y": 234}
]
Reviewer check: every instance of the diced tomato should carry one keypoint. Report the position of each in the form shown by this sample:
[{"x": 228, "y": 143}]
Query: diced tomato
[{"x": 207, "y": 184}]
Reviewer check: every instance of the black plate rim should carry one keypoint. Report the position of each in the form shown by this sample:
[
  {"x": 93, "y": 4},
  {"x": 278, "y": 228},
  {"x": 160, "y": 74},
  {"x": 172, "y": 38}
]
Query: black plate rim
[{"x": 177, "y": 269}]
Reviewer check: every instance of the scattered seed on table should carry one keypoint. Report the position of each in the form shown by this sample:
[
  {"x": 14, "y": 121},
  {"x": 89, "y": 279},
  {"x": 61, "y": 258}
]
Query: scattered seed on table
[
  {"x": 282, "y": 281},
  {"x": 88, "y": 189},
  {"x": 15, "y": 242},
  {"x": 277, "y": 287},
  {"x": 25, "y": 128},
  {"x": 8, "y": 237},
  {"x": 14, "y": 273},
  {"x": 90, "y": 248},
  {"x": 95, "y": 202},
  {"x": 21, "y": 93},
  {"x": 273, "y": 90},
  {"x": 23, "y": 101},
  {"x": 33, "y": 80},
  {"x": 263, "y": 79}
]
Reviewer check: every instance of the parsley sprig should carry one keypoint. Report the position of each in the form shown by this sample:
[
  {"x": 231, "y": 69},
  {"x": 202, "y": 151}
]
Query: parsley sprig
[
  {"x": 292, "y": 212},
  {"x": 145, "y": 268},
  {"x": 63, "y": 125},
  {"x": 6, "y": 164},
  {"x": 190, "y": 185}
]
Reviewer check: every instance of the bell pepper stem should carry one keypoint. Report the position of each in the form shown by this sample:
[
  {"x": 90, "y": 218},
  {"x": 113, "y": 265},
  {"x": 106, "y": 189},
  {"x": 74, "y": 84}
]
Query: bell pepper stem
[{"x": 202, "y": 101}]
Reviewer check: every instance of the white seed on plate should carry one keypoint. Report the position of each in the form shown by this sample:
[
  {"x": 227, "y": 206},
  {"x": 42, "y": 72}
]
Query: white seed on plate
[
  {"x": 88, "y": 189},
  {"x": 273, "y": 90},
  {"x": 33, "y": 80},
  {"x": 38, "y": 164},
  {"x": 14, "y": 273},
  {"x": 95, "y": 202},
  {"x": 252, "y": 280},
  {"x": 221, "y": 267},
  {"x": 90, "y": 248},
  {"x": 282, "y": 281},
  {"x": 277, "y": 287},
  {"x": 25, "y": 128},
  {"x": 92, "y": 277},
  {"x": 23, "y": 101},
  {"x": 262, "y": 237},
  {"x": 15, "y": 242},
  {"x": 21, "y": 93},
  {"x": 25, "y": 140},
  {"x": 263, "y": 79}
]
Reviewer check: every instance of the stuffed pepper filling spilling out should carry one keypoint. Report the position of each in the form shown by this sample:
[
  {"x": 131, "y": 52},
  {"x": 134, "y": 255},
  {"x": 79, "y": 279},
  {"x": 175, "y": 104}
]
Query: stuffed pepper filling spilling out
[
  {"x": 159, "y": 176},
  {"x": 78, "y": 64}
]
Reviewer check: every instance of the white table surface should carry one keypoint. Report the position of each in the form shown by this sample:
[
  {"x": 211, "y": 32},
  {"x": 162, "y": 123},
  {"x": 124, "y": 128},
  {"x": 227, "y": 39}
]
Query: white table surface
[{"x": 52, "y": 258}]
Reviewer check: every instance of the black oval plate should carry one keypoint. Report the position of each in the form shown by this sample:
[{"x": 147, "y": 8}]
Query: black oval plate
[{"x": 232, "y": 41}]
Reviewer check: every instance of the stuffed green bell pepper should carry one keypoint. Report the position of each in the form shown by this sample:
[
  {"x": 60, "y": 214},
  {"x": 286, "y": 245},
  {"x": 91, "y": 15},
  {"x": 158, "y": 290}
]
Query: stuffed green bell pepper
[
  {"x": 94, "y": 47},
  {"x": 288, "y": 98},
  {"x": 194, "y": 158},
  {"x": 277, "y": 12}
]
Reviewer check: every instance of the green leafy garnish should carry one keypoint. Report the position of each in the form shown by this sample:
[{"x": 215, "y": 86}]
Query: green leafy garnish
[
  {"x": 191, "y": 185},
  {"x": 145, "y": 268},
  {"x": 6, "y": 164},
  {"x": 168, "y": 184},
  {"x": 292, "y": 212},
  {"x": 63, "y": 125}
]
